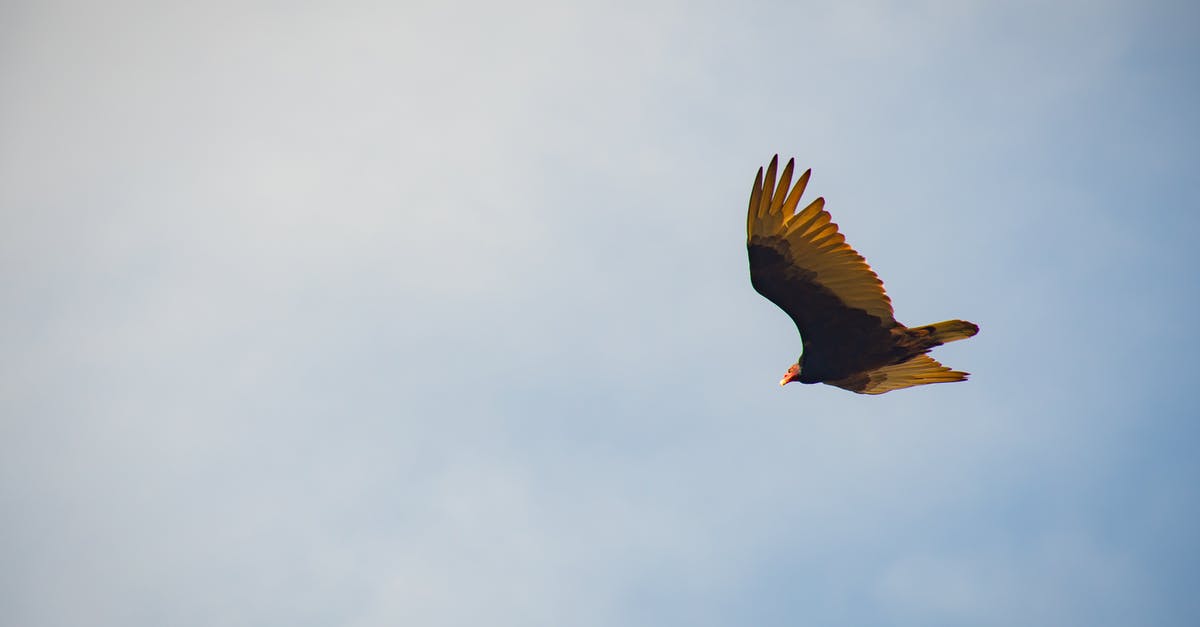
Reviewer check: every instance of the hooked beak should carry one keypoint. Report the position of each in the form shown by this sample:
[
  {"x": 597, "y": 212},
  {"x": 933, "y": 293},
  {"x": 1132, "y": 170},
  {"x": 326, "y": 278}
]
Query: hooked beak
[{"x": 793, "y": 374}]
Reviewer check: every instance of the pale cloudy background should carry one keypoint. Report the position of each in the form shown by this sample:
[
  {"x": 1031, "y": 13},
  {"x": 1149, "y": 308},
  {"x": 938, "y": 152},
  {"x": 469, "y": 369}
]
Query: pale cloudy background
[{"x": 437, "y": 314}]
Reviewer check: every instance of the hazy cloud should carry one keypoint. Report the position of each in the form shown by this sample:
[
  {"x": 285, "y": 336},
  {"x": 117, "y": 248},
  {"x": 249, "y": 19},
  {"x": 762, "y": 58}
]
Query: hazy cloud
[{"x": 439, "y": 314}]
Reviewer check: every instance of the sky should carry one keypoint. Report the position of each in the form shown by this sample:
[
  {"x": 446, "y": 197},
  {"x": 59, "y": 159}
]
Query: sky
[{"x": 422, "y": 313}]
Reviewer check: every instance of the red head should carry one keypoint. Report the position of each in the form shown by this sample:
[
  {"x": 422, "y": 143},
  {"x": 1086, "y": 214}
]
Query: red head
[{"x": 793, "y": 374}]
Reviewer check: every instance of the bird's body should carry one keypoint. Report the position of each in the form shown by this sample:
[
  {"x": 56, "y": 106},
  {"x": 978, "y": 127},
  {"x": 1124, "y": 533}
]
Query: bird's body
[{"x": 800, "y": 262}]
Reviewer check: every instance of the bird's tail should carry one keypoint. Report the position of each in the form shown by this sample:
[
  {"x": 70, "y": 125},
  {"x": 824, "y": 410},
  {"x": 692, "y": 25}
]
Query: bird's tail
[{"x": 939, "y": 333}]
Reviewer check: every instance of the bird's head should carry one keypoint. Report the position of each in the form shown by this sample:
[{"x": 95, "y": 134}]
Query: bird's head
[{"x": 793, "y": 374}]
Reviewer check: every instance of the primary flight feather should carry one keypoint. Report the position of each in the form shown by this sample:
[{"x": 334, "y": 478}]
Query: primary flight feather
[{"x": 800, "y": 262}]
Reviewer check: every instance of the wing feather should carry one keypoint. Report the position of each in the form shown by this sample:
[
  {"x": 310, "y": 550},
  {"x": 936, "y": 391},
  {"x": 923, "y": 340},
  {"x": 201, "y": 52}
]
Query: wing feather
[
  {"x": 810, "y": 245},
  {"x": 793, "y": 199},
  {"x": 781, "y": 191},
  {"x": 920, "y": 370},
  {"x": 753, "y": 215}
]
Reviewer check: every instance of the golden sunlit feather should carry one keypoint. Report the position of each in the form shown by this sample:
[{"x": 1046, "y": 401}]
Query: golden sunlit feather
[
  {"x": 920, "y": 370},
  {"x": 801, "y": 262},
  {"x": 814, "y": 242}
]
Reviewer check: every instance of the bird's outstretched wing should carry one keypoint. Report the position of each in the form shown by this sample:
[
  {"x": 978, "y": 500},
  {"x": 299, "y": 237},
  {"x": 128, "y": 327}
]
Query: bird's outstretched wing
[
  {"x": 919, "y": 370},
  {"x": 800, "y": 262}
]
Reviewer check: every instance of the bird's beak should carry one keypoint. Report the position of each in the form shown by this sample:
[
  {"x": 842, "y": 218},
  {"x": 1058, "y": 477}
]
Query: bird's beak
[{"x": 792, "y": 375}]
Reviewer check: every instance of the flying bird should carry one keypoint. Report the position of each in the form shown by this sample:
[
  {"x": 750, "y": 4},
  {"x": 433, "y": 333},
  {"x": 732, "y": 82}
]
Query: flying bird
[{"x": 800, "y": 262}]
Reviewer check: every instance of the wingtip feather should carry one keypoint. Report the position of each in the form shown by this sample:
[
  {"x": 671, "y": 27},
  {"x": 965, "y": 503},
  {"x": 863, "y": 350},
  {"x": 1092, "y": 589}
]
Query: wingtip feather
[{"x": 781, "y": 189}]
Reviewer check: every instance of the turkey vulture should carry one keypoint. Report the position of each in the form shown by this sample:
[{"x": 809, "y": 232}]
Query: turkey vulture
[{"x": 800, "y": 262}]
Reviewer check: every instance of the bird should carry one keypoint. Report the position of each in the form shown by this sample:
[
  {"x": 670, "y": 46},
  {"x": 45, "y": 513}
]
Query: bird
[{"x": 849, "y": 335}]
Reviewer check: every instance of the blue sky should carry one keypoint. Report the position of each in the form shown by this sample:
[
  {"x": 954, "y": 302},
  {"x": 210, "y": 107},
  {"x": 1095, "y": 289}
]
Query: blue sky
[{"x": 405, "y": 313}]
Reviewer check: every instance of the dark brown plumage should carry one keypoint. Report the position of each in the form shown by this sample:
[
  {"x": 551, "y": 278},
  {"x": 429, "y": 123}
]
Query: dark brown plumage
[{"x": 799, "y": 261}]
